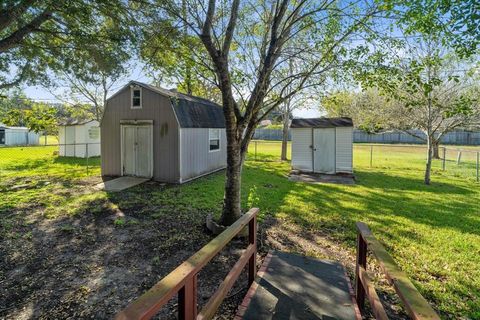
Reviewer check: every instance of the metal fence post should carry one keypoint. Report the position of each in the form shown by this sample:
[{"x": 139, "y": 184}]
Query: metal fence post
[
  {"x": 444, "y": 158},
  {"x": 371, "y": 156},
  {"x": 86, "y": 152},
  {"x": 478, "y": 166}
]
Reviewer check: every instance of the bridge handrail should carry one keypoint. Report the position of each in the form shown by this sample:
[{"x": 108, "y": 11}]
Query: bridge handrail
[
  {"x": 415, "y": 304},
  {"x": 183, "y": 280}
]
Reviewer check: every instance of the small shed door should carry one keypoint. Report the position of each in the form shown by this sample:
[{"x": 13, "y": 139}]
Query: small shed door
[
  {"x": 144, "y": 151},
  {"x": 70, "y": 141},
  {"x": 324, "y": 150},
  {"x": 2, "y": 136},
  {"x": 137, "y": 151},
  {"x": 129, "y": 151}
]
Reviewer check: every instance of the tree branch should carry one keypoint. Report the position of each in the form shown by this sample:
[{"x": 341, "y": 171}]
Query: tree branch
[
  {"x": 16, "y": 38},
  {"x": 8, "y": 16}
]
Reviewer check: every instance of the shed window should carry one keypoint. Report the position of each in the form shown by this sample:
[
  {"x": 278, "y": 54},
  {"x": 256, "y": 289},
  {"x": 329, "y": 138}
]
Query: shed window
[
  {"x": 214, "y": 139},
  {"x": 136, "y": 98},
  {"x": 94, "y": 133}
]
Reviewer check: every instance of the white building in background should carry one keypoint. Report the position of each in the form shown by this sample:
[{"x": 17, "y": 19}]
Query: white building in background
[
  {"x": 17, "y": 136},
  {"x": 322, "y": 145},
  {"x": 80, "y": 139}
]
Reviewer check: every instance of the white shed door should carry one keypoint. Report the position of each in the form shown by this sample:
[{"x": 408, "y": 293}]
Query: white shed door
[
  {"x": 324, "y": 150},
  {"x": 137, "y": 151},
  {"x": 143, "y": 153},
  {"x": 70, "y": 141},
  {"x": 129, "y": 151}
]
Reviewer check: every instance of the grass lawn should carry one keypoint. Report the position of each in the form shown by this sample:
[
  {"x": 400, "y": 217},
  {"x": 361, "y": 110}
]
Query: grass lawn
[
  {"x": 433, "y": 232},
  {"x": 50, "y": 140},
  {"x": 32, "y": 161}
]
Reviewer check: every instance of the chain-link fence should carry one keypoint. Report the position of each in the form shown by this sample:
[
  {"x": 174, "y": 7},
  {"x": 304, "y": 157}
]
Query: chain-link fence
[
  {"x": 264, "y": 150},
  {"x": 83, "y": 160},
  {"x": 53, "y": 160},
  {"x": 456, "y": 161}
]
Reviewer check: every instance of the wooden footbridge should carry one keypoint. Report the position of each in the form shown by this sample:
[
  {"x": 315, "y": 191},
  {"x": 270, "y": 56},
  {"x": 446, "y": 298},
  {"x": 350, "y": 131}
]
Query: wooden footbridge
[{"x": 287, "y": 286}]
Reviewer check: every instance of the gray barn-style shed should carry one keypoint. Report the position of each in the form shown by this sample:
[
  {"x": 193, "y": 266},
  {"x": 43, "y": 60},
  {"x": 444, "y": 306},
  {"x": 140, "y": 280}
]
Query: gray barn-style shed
[
  {"x": 323, "y": 145},
  {"x": 156, "y": 133}
]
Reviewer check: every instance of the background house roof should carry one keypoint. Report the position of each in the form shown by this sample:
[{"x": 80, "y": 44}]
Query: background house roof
[
  {"x": 3, "y": 126},
  {"x": 191, "y": 111},
  {"x": 322, "y": 123}
]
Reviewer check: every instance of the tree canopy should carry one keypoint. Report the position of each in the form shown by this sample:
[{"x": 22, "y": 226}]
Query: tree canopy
[{"x": 38, "y": 37}]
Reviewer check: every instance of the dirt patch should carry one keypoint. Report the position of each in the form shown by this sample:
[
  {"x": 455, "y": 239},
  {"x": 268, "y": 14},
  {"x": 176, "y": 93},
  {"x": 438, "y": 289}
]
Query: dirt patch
[
  {"x": 309, "y": 177},
  {"x": 92, "y": 261},
  {"x": 92, "y": 264}
]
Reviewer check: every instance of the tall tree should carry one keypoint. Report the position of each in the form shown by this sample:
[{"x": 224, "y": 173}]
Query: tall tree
[
  {"x": 431, "y": 89},
  {"x": 92, "y": 83},
  {"x": 299, "y": 101},
  {"x": 248, "y": 43},
  {"x": 40, "y": 118},
  {"x": 175, "y": 57},
  {"x": 458, "y": 21},
  {"x": 37, "y": 36},
  {"x": 368, "y": 109},
  {"x": 13, "y": 99}
]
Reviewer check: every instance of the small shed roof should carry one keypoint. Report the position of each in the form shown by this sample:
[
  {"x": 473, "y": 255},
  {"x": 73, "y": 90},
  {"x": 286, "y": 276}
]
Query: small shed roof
[
  {"x": 191, "y": 111},
  {"x": 3, "y": 126},
  {"x": 73, "y": 122},
  {"x": 322, "y": 122}
]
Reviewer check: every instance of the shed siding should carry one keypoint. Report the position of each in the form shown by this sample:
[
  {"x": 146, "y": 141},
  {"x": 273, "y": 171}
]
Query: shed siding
[
  {"x": 77, "y": 143},
  {"x": 21, "y": 137},
  {"x": 79, "y": 140},
  {"x": 344, "y": 137},
  {"x": 301, "y": 149},
  {"x": 196, "y": 159},
  {"x": 93, "y": 144},
  {"x": 165, "y": 133}
]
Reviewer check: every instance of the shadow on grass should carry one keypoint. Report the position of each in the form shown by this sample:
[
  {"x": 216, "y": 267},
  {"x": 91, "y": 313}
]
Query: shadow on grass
[
  {"x": 382, "y": 197},
  {"x": 77, "y": 161},
  {"x": 88, "y": 257},
  {"x": 91, "y": 261},
  {"x": 413, "y": 220}
]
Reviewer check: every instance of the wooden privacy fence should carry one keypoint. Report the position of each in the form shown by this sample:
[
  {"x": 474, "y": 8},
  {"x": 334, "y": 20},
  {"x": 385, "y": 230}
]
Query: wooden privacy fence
[
  {"x": 183, "y": 280},
  {"x": 415, "y": 305}
]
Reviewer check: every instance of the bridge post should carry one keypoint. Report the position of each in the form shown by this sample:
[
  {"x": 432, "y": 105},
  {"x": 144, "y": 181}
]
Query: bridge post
[
  {"x": 187, "y": 300},
  {"x": 361, "y": 262},
  {"x": 252, "y": 239}
]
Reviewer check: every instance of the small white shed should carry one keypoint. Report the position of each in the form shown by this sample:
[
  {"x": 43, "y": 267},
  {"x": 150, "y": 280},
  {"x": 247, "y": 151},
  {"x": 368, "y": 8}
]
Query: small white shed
[
  {"x": 322, "y": 145},
  {"x": 17, "y": 136},
  {"x": 80, "y": 139}
]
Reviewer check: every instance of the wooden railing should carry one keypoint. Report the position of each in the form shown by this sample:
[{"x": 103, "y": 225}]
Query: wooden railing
[
  {"x": 415, "y": 304},
  {"x": 183, "y": 280}
]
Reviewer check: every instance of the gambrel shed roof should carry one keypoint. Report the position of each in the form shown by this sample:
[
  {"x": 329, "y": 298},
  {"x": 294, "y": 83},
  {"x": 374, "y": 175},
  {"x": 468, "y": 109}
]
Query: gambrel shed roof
[{"x": 191, "y": 111}]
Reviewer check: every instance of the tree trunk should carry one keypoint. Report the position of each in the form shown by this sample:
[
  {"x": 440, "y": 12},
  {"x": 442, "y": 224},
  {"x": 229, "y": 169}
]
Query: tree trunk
[
  {"x": 428, "y": 168},
  {"x": 435, "y": 145},
  {"x": 232, "y": 209},
  {"x": 285, "y": 137}
]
